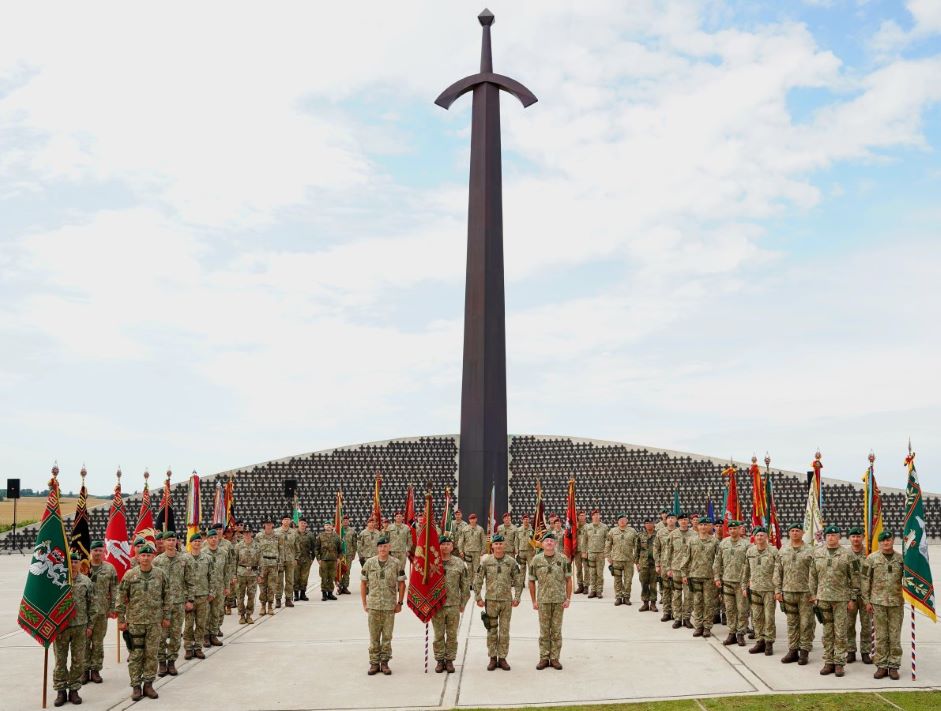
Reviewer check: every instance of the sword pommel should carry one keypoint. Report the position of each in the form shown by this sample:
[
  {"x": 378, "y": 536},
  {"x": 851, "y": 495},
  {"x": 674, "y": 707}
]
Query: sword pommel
[{"x": 486, "y": 19}]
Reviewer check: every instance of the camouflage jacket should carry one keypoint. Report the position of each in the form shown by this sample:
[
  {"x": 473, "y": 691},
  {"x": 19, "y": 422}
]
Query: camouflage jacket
[
  {"x": 702, "y": 558},
  {"x": 524, "y": 537},
  {"x": 792, "y": 570},
  {"x": 509, "y": 536},
  {"x": 582, "y": 540},
  {"x": 882, "y": 579},
  {"x": 595, "y": 537},
  {"x": 760, "y": 568},
  {"x": 473, "y": 539},
  {"x": 180, "y": 571},
  {"x": 367, "y": 543},
  {"x": 620, "y": 546},
  {"x": 834, "y": 575},
  {"x": 662, "y": 548},
  {"x": 400, "y": 537},
  {"x": 679, "y": 549},
  {"x": 247, "y": 558},
  {"x": 86, "y": 601},
  {"x": 327, "y": 546},
  {"x": 550, "y": 573},
  {"x": 382, "y": 582},
  {"x": 859, "y": 566},
  {"x": 503, "y": 578},
  {"x": 219, "y": 563},
  {"x": 349, "y": 540},
  {"x": 207, "y": 576},
  {"x": 269, "y": 547},
  {"x": 645, "y": 548},
  {"x": 457, "y": 582},
  {"x": 304, "y": 546},
  {"x": 105, "y": 578},
  {"x": 287, "y": 551},
  {"x": 143, "y": 598},
  {"x": 729, "y": 565}
]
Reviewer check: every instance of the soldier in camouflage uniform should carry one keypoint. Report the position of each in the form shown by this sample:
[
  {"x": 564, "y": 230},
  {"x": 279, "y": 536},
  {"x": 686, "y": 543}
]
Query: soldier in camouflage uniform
[
  {"x": 304, "y": 546},
  {"x": 679, "y": 554},
  {"x": 697, "y": 574},
  {"x": 857, "y": 551},
  {"x": 400, "y": 537},
  {"x": 729, "y": 571},
  {"x": 472, "y": 543},
  {"x": 662, "y": 552},
  {"x": 882, "y": 595},
  {"x": 580, "y": 561},
  {"x": 220, "y": 570},
  {"x": 143, "y": 608},
  {"x": 349, "y": 540},
  {"x": 206, "y": 580},
  {"x": 71, "y": 641},
  {"x": 503, "y": 580},
  {"x": 524, "y": 546},
  {"x": 550, "y": 589},
  {"x": 508, "y": 531},
  {"x": 620, "y": 550},
  {"x": 834, "y": 587},
  {"x": 269, "y": 545},
  {"x": 647, "y": 566},
  {"x": 226, "y": 543},
  {"x": 105, "y": 579},
  {"x": 327, "y": 548},
  {"x": 287, "y": 553},
  {"x": 180, "y": 571},
  {"x": 458, "y": 524},
  {"x": 761, "y": 559},
  {"x": 662, "y": 522},
  {"x": 595, "y": 536},
  {"x": 792, "y": 591},
  {"x": 366, "y": 543},
  {"x": 247, "y": 567},
  {"x": 382, "y": 590},
  {"x": 447, "y": 618}
]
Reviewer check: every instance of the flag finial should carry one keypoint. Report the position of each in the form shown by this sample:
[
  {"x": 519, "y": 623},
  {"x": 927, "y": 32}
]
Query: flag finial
[
  {"x": 83, "y": 474},
  {"x": 146, "y": 474},
  {"x": 872, "y": 456},
  {"x": 118, "y": 475},
  {"x": 55, "y": 469}
]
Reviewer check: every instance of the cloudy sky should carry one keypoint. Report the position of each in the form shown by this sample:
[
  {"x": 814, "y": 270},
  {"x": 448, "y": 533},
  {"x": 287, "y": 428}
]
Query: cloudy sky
[{"x": 230, "y": 233}]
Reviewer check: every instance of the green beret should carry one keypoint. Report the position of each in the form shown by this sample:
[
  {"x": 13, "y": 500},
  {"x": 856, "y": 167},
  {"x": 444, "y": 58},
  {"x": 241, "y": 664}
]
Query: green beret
[
  {"x": 799, "y": 526},
  {"x": 196, "y": 537},
  {"x": 140, "y": 540},
  {"x": 735, "y": 523},
  {"x": 682, "y": 515},
  {"x": 211, "y": 532},
  {"x": 622, "y": 515},
  {"x": 833, "y": 528},
  {"x": 96, "y": 544},
  {"x": 445, "y": 539},
  {"x": 497, "y": 538},
  {"x": 759, "y": 529},
  {"x": 855, "y": 531},
  {"x": 549, "y": 535},
  {"x": 76, "y": 555},
  {"x": 886, "y": 536},
  {"x": 146, "y": 548},
  {"x": 167, "y": 535},
  {"x": 382, "y": 540},
  {"x": 267, "y": 519},
  {"x": 158, "y": 536}
]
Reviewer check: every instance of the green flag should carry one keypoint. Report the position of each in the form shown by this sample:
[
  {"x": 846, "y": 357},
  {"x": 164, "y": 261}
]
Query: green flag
[
  {"x": 47, "y": 605},
  {"x": 917, "y": 587},
  {"x": 677, "y": 507}
]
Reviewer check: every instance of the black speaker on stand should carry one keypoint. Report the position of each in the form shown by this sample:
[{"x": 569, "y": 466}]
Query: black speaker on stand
[
  {"x": 13, "y": 492},
  {"x": 290, "y": 486}
]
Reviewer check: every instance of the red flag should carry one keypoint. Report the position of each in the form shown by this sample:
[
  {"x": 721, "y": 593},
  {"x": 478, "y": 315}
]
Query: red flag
[
  {"x": 410, "y": 506},
  {"x": 759, "y": 509},
  {"x": 571, "y": 524},
  {"x": 145, "y": 519},
  {"x": 426, "y": 585},
  {"x": 229, "y": 501},
  {"x": 376, "y": 508},
  {"x": 117, "y": 549},
  {"x": 733, "y": 509}
]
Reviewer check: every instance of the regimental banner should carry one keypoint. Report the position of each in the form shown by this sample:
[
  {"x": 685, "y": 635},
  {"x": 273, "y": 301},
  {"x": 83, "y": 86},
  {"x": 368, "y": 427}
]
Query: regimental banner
[{"x": 917, "y": 584}]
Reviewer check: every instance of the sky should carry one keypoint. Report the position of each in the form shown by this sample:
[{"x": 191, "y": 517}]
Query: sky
[{"x": 233, "y": 232}]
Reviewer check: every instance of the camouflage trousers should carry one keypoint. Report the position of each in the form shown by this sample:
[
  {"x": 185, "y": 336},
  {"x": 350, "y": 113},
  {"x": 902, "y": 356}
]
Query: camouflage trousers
[
  {"x": 704, "y": 602},
  {"x": 682, "y": 605},
  {"x": 472, "y": 558},
  {"x": 498, "y": 636},
  {"x": 171, "y": 637},
  {"x": 762, "y": 609},
  {"x": 834, "y": 631},
  {"x": 381, "y": 623},
  {"x": 648, "y": 582},
  {"x": 94, "y": 646},
  {"x": 69, "y": 642},
  {"x": 667, "y": 583},
  {"x": 245, "y": 594},
  {"x": 596, "y": 572},
  {"x": 865, "y": 629},
  {"x": 194, "y": 626},
  {"x": 267, "y": 588},
  {"x": 736, "y": 607},
  {"x": 581, "y": 569},
  {"x": 524, "y": 559},
  {"x": 345, "y": 580},
  {"x": 215, "y": 615},
  {"x": 286, "y": 579},
  {"x": 550, "y": 630},
  {"x": 142, "y": 660},
  {"x": 328, "y": 575},
  {"x": 888, "y": 620},
  {"x": 445, "y": 623},
  {"x": 801, "y": 624},
  {"x": 302, "y": 575},
  {"x": 623, "y": 578}
]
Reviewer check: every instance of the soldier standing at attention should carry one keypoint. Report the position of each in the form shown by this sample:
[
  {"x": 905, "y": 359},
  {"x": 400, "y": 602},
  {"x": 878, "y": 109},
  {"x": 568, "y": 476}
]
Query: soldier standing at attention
[
  {"x": 143, "y": 608},
  {"x": 72, "y": 640},
  {"x": 247, "y": 567},
  {"x": 366, "y": 544},
  {"x": 304, "y": 543},
  {"x": 218, "y": 570},
  {"x": 508, "y": 531},
  {"x": 268, "y": 551},
  {"x": 524, "y": 544},
  {"x": 729, "y": 572},
  {"x": 448, "y": 617},
  {"x": 761, "y": 560},
  {"x": 382, "y": 590},
  {"x": 620, "y": 550},
  {"x": 550, "y": 589},
  {"x": 472, "y": 543},
  {"x": 857, "y": 553},
  {"x": 231, "y": 581},
  {"x": 595, "y": 536},
  {"x": 180, "y": 571},
  {"x": 327, "y": 551},
  {"x": 105, "y": 579},
  {"x": 400, "y": 538},
  {"x": 349, "y": 541},
  {"x": 287, "y": 552},
  {"x": 662, "y": 551},
  {"x": 679, "y": 554},
  {"x": 834, "y": 587},
  {"x": 698, "y": 574},
  {"x": 503, "y": 580},
  {"x": 647, "y": 566},
  {"x": 581, "y": 555},
  {"x": 792, "y": 590},
  {"x": 662, "y": 523},
  {"x": 206, "y": 579},
  {"x": 882, "y": 595},
  {"x": 458, "y": 524}
]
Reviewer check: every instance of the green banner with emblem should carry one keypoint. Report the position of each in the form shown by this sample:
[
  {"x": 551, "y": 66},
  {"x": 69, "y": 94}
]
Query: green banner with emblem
[{"x": 917, "y": 586}]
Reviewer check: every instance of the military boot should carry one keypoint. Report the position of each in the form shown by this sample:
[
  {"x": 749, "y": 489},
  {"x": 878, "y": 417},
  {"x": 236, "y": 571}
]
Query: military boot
[
  {"x": 555, "y": 664},
  {"x": 61, "y": 698},
  {"x": 578, "y": 590},
  {"x": 653, "y": 606},
  {"x": 677, "y": 624},
  {"x": 136, "y": 693},
  {"x": 74, "y": 698},
  {"x": 384, "y": 668},
  {"x": 687, "y": 624},
  {"x": 751, "y": 633},
  {"x": 866, "y": 658},
  {"x": 449, "y": 666},
  {"x": 730, "y": 640},
  {"x": 698, "y": 632},
  {"x": 706, "y": 632},
  {"x": 790, "y": 657},
  {"x": 644, "y": 607},
  {"x": 827, "y": 669},
  {"x": 894, "y": 674},
  {"x": 850, "y": 657},
  {"x": 95, "y": 677},
  {"x": 241, "y": 619},
  {"x": 543, "y": 663},
  {"x": 270, "y": 609},
  {"x": 503, "y": 664},
  {"x": 149, "y": 691},
  {"x": 618, "y": 602},
  {"x": 86, "y": 677},
  {"x": 802, "y": 657},
  {"x": 373, "y": 669},
  {"x": 331, "y": 596},
  {"x": 838, "y": 670},
  {"x": 666, "y": 617},
  {"x": 881, "y": 673},
  {"x": 439, "y": 667},
  {"x": 758, "y": 648},
  {"x": 492, "y": 664},
  {"x": 199, "y": 654},
  {"x": 277, "y": 603},
  {"x": 288, "y": 602},
  {"x": 162, "y": 668},
  {"x": 303, "y": 596},
  {"x": 769, "y": 649},
  {"x": 323, "y": 595},
  {"x": 249, "y": 620},
  {"x": 627, "y": 601},
  {"x": 740, "y": 638},
  {"x": 188, "y": 654},
  {"x": 171, "y": 668},
  {"x": 590, "y": 595},
  {"x": 215, "y": 641},
  {"x": 228, "y": 610}
]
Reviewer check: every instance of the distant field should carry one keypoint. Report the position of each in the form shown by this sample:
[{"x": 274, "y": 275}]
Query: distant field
[{"x": 31, "y": 508}]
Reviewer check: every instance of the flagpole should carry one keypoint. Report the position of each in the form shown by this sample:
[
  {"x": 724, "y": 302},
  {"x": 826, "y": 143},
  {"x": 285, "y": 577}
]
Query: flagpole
[
  {"x": 913, "y": 643},
  {"x": 117, "y": 632},
  {"x": 45, "y": 674},
  {"x": 869, "y": 548}
]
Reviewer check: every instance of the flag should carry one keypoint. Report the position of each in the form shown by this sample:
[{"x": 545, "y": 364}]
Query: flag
[
  {"x": 872, "y": 508},
  {"x": 677, "y": 507},
  {"x": 917, "y": 585},
  {"x": 117, "y": 548},
  {"x": 426, "y": 584},
  {"x": 228, "y": 499},
  {"x": 817, "y": 465},
  {"x": 296, "y": 512},
  {"x": 447, "y": 517},
  {"x": 813, "y": 521},
  {"x": 218, "y": 504},
  {"x": 539, "y": 519},
  {"x": 47, "y": 606},
  {"x": 145, "y": 518},
  {"x": 376, "y": 508},
  {"x": 571, "y": 523},
  {"x": 165, "y": 519},
  {"x": 343, "y": 564},
  {"x": 80, "y": 540},
  {"x": 410, "y": 506},
  {"x": 194, "y": 509},
  {"x": 759, "y": 510},
  {"x": 733, "y": 509},
  {"x": 492, "y": 515},
  {"x": 710, "y": 508},
  {"x": 774, "y": 525}
]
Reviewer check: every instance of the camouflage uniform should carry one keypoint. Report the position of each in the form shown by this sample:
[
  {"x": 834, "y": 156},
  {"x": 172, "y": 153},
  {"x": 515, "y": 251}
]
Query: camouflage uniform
[
  {"x": 269, "y": 552},
  {"x": 792, "y": 582},
  {"x": 72, "y": 640},
  {"x": 759, "y": 579},
  {"x": 524, "y": 548},
  {"x": 550, "y": 573},
  {"x": 447, "y": 618},
  {"x": 382, "y": 584},
  {"x": 596, "y": 535},
  {"x": 366, "y": 545},
  {"x": 400, "y": 538},
  {"x": 865, "y": 619},
  {"x": 730, "y": 568},
  {"x": 180, "y": 573},
  {"x": 349, "y": 539},
  {"x": 207, "y": 578},
  {"x": 698, "y": 571},
  {"x": 327, "y": 551},
  {"x": 457, "y": 528},
  {"x": 882, "y": 588},
  {"x": 105, "y": 579},
  {"x": 620, "y": 547},
  {"x": 229, "y": 575},
  {"x": 834, "y": 581},
  {"x": 682, "y": 604},
  {"x": 304, "y": 547},
  {"x": 287, "y": 553},
  {"x": 247, "y": 567},
  {"x": 220, "y": 561},
  {"x": 472, "y": 542},
  {"x": 648, "y": 566},
  {"x": 144, "y": 601},
  {"x": 509, "y": 537},
  {"x": 662, "y": 552},
  {"x": 504, "y": 582},
  {"x": 581, "y": 559}
]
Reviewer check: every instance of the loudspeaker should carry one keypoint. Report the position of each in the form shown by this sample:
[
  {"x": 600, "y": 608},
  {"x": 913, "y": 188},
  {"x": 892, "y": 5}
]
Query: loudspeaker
[
  {"x": 290, "y": 486},
  {"x": 13, "y": 488}
]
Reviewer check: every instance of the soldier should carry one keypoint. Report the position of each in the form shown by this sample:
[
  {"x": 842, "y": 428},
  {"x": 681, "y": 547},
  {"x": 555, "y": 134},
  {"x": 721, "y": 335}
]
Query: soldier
[
  {"x": 729, "y": 572},
  {"x": 679, "y": 553},
  {"x": 834, "y": 587},
  {"x": 349, "y": 540},
  {"x": 73, "y": 639},
  {"x": 758, "y": 583},
  {"x": 105, "y": 579},
  {"x": 366, "y": 543},
  {"x": 792, "y": 591},
  {"x": 857, "y": 553},
  {"x": 219, "y": 571},
  {"x": 400, "y": 537},
  {"x": 620, "y": 550},
  {"x": 228, "y": 545},
  {"x": 247, "y": 568},
  {"x": 503, "y": 579},
  {"x": 143, "y": 608},
  {"x": 555, "y": 526},
  {"x": 327, "y": 548},
  {"x": 524, "y": 544},
  {"x": 508, "y": 531},
  {"x": 662, "y": 552},
  {"x": 595, "y": 536},
  {"x": 882, "y": 595},
  {"x": 472, "y": 542},
  {"x": 179, "y": 570},
  {"x": 458, "y": 524},
  {"x": 448, "y": 617},
  {"x": 268, "y": 551},
  {"x": 206, "y": 580},
  {"x": 662, "y": 523},
  {"x": 647, "y": 566},
  {"x": 382, "y": 590},
  {"x": 304, "y": 545},
  {"x": 158, "y": 543},
  {"x": 550, "y": 589},
  {"x": 287, "y": 553},
  {"x": 581, "y": 555},
  {"x": 698, "y": 576}
]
